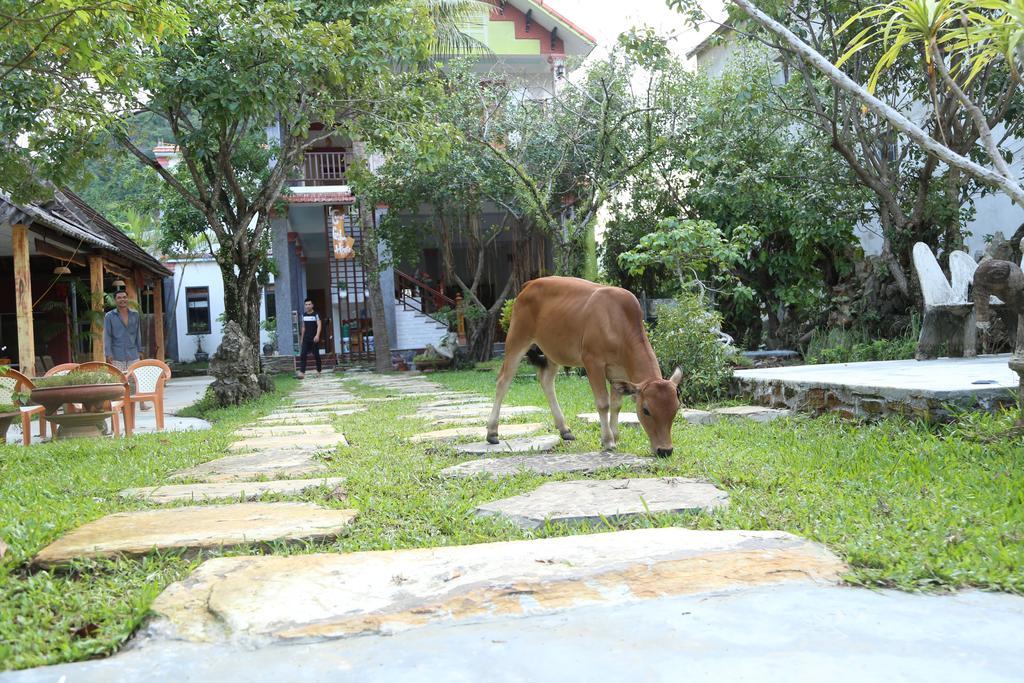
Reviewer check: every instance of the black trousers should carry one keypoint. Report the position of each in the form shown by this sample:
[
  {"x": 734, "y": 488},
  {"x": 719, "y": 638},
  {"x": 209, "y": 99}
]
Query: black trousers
[{"x": 307, "y": 346}]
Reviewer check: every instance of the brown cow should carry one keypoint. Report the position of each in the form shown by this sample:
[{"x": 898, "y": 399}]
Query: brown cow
[{"x": 578, "y": 323}]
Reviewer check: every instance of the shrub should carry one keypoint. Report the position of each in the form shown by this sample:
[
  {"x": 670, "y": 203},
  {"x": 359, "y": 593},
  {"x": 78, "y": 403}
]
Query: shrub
[
  {"x": 839, "y": 345},
  {"x": 685, "y": 336},
  {"x": 506, "y": 314}
]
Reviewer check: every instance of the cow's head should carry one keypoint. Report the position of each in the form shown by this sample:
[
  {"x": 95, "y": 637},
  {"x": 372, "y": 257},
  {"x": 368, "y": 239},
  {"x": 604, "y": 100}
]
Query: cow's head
[{"x": 657, "y": 402}]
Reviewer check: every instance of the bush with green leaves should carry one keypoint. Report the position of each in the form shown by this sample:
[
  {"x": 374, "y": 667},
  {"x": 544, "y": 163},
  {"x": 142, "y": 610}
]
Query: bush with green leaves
[
  {"x": 686, "y": 336},
  {"x": 506, "y": 313}
]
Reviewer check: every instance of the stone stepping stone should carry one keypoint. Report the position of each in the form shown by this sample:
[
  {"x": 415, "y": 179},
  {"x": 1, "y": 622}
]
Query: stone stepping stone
[
  {"x": 482, "y": 411},
  {"x": 625, "y": 418},
  {"x": 270, "y": 464},
  {"x": 755, "y": 413},
  {"x": 295, "y": 441},
  {"x": 478, "y": 432},
  {"x": 591, "y": 502},
  {"x": 698, "y": 417},
  {"x": 235, "y": 490},
  {"x": 291, "y": 598},
  {"x": 287, "y": 430},
  {"x": 530, "y": 444},
  {"x": 459, "y": 401},
  {"x": 195, "y": 528},
  {"x": 552, "y": 463},
  {"x": 306, "y": 418}
]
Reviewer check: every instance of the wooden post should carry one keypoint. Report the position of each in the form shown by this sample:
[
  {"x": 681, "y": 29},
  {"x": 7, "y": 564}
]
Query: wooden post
[
  {"x": 158, "y": 318},
  {"x": 96, "y": 305},
  {"x": 23, "y": 300}
]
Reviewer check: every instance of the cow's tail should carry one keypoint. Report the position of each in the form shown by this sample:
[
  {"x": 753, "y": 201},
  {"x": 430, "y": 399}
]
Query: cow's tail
[{"x": 536, "y": 357}]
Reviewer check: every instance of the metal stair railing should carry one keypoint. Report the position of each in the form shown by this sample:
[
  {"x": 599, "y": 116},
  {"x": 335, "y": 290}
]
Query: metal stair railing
[{"x": 430, "y": 300}]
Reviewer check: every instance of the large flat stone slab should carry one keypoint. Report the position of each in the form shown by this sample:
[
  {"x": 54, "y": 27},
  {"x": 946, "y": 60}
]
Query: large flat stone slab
[
  {"x": 529, "y": 444},
  {"x": 697, "y": 417},
  {"x": 195, "y": 528},
  {"x": 456, "y": 433},
  {"x": 259, "y": 600},
  {"x": 458, "y": 401},
  {"x": 592, "y": 502},
  {"x": 551, "y": 463},
  {"x": 754, "y": 413},
  {"x": 248, "y": 490},
  {"x": 270, "y": 464},
  {"x": 317, "y": 441}
]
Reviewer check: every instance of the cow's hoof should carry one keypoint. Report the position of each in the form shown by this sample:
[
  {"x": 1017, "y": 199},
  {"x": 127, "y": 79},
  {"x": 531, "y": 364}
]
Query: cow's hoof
[
  {"x": 568, "y": 436},
  {"x": 610, "y": 448},
  {"x": 492, "y": 439}
]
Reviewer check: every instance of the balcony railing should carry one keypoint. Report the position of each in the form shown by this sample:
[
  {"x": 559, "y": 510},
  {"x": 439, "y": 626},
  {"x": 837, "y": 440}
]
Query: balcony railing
[{"x": 322, "y": 168}]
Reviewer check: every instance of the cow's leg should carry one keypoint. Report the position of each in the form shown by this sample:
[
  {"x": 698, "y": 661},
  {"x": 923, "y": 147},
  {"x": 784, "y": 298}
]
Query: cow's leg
[
  {"x": 614, "y": 405},
  {"x": 515, "y": 348},
  {"x": 547, "y": 375},
  {"x": 598, "y": 384}
]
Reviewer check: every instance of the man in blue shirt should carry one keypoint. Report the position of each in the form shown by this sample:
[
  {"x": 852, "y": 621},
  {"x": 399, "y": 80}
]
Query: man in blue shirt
[{"x": 122, "y": 340}]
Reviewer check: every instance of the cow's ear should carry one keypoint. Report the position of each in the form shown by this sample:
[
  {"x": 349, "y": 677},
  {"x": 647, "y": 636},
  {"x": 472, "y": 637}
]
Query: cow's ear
[
  {"x": 626, "y": 388},
  {"x": 676, "y": 377}
]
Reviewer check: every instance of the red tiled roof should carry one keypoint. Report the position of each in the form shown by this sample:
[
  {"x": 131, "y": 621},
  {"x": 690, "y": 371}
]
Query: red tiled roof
[{"x": 321, "y": 198}]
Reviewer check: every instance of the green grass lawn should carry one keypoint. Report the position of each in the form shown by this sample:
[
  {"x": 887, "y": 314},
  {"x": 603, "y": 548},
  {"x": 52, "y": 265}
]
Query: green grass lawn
[{"x": 906, "y": 506}]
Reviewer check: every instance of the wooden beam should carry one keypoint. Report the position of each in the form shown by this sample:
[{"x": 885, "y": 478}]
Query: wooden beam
[
  {"x": 23, "y": 300},
  {"x": 158, "y": 318},
  {"x": 118, "y": 270},
  {"x": 60, "y": 252},
  {"x": 96, "y": 304}
]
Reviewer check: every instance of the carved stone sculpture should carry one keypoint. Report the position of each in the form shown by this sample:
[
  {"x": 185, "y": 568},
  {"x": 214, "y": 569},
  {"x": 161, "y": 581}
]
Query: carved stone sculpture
[{"x": 1005, "y": 281}]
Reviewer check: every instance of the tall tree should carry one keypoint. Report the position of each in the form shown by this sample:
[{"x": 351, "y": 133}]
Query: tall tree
[
  {"x": 66, "y": 68},
  {"x": 240, "y": 93},
  {"x": 915, "y": 196},
  {"x": 569, "y": 157}
]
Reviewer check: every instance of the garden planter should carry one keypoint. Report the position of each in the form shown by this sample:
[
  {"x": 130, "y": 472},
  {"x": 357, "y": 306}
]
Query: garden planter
[{"x": 91, "y": 396}]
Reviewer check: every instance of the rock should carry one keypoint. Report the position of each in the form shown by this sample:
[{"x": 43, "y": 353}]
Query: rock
[
  {"x": 290, "y": 462},
  {"x": 236, "y": 490},
  {"x": 235, "y": 366},
  {"x": 625, "y": 418},
  {"x": 268, "y": 599},
  {"x": 532, "y": 444},
  {"x": 592, "y": 502},
  {"x": 195, "y": 528},
  {"x": 556, "y": 463},
  {"x": 287, "y": 429},
  {"x": 479, "y": 432}
]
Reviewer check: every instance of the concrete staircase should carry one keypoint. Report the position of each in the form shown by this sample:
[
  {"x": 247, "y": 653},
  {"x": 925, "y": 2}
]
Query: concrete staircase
[{"x": 415, "y": 329}]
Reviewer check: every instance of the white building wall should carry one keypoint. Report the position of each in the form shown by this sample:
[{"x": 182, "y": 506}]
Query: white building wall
[{"x": 202, "y": 273}]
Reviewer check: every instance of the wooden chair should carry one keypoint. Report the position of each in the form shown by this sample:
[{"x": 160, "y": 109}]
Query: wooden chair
[
  {"x": 121, "y": 407},
  {"x": 10, "y": 382},
  {"x": 56, "y": 370},
  {"x": 150, "y": 376}
]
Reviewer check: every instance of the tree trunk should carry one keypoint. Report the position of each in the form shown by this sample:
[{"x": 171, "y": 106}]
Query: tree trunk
[
  {"x": 481, "y": 337},
  {"x": 371, "y": 267},
  {"x": 242, "y": 296}
]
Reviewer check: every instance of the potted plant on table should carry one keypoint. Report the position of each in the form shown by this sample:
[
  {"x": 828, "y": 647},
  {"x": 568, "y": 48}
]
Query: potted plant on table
[{"x": 92, "y": 390}]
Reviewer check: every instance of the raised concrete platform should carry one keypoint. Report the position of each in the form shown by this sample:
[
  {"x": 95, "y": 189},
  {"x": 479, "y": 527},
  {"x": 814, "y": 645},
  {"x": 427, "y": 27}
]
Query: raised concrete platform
[
  {"x": 594, "y": 502},
  {"x": 195, "y": 528},
  {"x": 797, "y": 632},
  {"x": 873, "y": 389}
]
